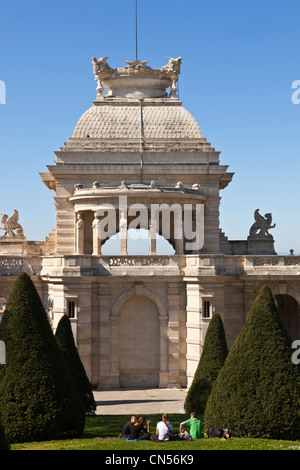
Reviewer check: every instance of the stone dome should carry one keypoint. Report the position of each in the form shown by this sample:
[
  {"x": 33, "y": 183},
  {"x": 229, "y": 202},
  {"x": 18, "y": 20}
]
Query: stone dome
[
  {"x": 157, "y": 121},
  {"x": 137, "y": 107}
]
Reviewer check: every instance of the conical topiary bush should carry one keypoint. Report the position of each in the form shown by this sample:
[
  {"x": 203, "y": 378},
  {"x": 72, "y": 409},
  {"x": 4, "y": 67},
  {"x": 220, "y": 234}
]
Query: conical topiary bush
[
  {"x": 211, "y": 361},
  {"x": 257, "y": 392},
  {"x": 65, "y": 339},
  {"x": 4, "y": 444},
  {"x": 38, "y": 397}
]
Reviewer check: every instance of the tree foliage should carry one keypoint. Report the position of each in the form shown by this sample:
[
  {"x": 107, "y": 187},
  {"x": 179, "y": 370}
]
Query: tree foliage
[
  {"x": 4, "y": 444},
  {"x": 211, "y": 361},
  {"x": 257, "y": 392},
  {"x": 65, "y": 339},
  {"x": 38, "y": 397}
]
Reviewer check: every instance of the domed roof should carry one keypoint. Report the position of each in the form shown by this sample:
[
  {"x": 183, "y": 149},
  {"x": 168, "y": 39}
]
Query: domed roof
[
  {"x": 137, "y": 108},
  {"x": 124, "y": 121}
]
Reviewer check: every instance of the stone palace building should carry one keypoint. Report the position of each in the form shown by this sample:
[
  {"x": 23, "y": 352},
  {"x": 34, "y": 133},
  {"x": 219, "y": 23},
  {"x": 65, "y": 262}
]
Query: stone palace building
[{"x": 140, "y": 320}]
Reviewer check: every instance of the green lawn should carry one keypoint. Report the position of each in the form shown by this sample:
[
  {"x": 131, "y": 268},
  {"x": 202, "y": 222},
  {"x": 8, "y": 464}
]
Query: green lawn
[{"x": 101, "y": 434}]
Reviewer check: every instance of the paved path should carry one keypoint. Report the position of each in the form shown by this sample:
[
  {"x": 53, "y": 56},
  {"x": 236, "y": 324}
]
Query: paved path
[{"x": 114, "y": 402}]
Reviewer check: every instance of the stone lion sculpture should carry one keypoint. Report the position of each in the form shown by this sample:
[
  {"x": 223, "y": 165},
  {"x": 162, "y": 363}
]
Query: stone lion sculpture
[
  {"x": 9, "y": 225},
  {"x": 262, "y": 225}
]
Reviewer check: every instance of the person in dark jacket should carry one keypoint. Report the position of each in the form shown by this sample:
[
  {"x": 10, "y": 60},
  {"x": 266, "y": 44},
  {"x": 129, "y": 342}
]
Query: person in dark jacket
[
  {"x": 126, "y": 431},
  {"x": 139, "y": 431}
]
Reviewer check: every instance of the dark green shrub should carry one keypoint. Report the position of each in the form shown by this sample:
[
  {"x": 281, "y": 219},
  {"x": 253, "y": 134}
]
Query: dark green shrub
[
  {"x": 38, "y": 397},
  {"x": 65, "y": 339},
  {"x": 4, "y": 444},
  {"x": 211, "y": 361},
  {"x": 257, "y": 392}
]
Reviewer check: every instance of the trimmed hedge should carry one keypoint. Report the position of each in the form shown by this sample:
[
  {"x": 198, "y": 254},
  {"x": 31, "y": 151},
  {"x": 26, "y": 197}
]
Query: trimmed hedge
[
  {"x": 4, "y": 444},
  {"x": 257, "y": 392},
  {"x": 65, "y": 339},
  {"x": 38, "y": 397},
  {"x": 211, "y": 361}
]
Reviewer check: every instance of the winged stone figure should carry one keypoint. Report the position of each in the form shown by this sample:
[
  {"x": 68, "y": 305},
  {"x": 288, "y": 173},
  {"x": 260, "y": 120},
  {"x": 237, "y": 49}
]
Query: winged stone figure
[
  {"x": 11, "y": 224},
  {"x": 262, "y": 225}
]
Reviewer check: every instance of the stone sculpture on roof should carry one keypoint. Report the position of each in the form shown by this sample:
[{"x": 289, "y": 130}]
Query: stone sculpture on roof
[
  {"x": 167, "y": 75},
  {"x": 10, "y": 225},
  {"x": 103, "y": 70},
  {"x": 262, "y": 225}
]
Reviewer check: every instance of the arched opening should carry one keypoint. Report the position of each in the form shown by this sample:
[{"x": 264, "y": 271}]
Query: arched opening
[
  {"x": 100, "y": 233},
  {"x": 289, "y": 312},
  {"x": 139, "y": 343},
  {"x": 137, "y": 244}
]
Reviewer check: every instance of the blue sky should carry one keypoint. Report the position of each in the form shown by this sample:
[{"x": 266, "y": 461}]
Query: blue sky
[{"x": 239, "y": 62}]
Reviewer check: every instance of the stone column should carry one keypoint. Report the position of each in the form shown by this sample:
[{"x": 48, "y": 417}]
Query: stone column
[
  {"x": 79, "y": 235},
  {"x": 152, "y": 239},
  {"x": 96, "y": 236},
  {"x": 153, "y": 229},
  {"x": 123, "y": 231},
  {"x": 179, "y": 237}
]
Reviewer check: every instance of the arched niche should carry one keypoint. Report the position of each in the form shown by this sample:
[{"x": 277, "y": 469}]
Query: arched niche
[
  {"x": 139, "y": 343},
  {"x": 139, "y": 313}
]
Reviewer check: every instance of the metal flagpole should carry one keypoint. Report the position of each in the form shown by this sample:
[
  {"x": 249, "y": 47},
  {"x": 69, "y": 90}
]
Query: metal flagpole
[{"x": 136, "y": 50}]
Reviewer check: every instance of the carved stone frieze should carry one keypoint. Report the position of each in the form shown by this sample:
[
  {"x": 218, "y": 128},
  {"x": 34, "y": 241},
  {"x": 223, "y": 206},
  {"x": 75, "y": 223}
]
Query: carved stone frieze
[{"x": 138, "y": 261}]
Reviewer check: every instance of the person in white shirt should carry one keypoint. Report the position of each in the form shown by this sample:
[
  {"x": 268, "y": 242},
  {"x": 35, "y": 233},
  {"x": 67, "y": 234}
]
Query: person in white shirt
[{"x": 163, "y": 427}]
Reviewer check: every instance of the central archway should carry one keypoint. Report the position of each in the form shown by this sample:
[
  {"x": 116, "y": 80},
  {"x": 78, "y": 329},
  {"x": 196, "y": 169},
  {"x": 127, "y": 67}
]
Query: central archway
[
  {"x": 139, "y": 343},
  {"x": 138, "y": 244}
]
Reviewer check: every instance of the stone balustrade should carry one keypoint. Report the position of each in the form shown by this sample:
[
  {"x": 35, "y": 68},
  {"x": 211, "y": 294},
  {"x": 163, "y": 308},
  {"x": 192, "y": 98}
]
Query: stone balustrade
[{"x": 188, "y": 265}]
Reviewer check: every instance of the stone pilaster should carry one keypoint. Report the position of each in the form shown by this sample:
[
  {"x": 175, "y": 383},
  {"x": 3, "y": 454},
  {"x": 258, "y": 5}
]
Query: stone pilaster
[
  {"x": 193, "y": 328},
  {"x": 174, "y": 307},
  {"x": 105, "y": 324}
]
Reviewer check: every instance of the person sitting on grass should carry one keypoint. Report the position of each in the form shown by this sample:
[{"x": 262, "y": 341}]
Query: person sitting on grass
[
  {"x": 163, "y": 427},
  {"x": 126, "y": 431},
  {"x": 139, "y": 432},
  {"x": 195, "y": 426}
]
